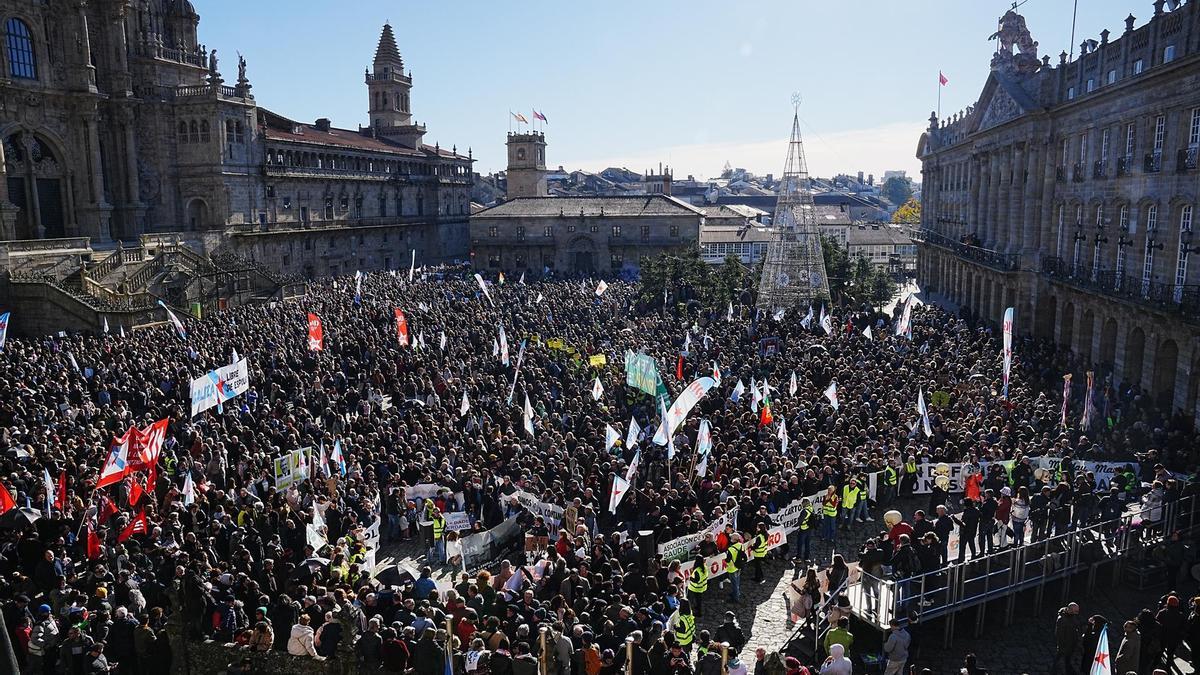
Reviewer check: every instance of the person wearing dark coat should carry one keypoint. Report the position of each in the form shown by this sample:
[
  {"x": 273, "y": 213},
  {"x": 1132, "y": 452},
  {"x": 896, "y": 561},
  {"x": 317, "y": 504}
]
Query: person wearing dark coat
[
  {"x": 1091, "y": 637},
  {"x": 968, "y": 529},
  {"x": 283, "y": 615},
  {"x": 428, "y": 656}
]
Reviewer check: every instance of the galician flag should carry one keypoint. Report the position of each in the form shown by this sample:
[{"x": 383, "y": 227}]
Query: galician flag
[
  {"x": 337, "y": 457},
  {"x": 611, "y": 436},
  {"x": 792, "y": 386},
  {"x": 528, "y": 415},
  {"x": 826, "y": 322},
  {"x": 633, "y": 466},
  {"x": 1102, "y": 662},
  {"x": 738, "y": 390},
  {"x": 704, "y": 439},
  {"x": 783, "y": 436},
  {"x": 189, "y": 490},
  {"x": 619, "y": 488},
  {"x": 600, "y": 288},
  {"x": 831, "y": 394},
  {"x": 807, "y": 320},
  {"x": 465, "y": 406},
  {"x": 597, "y": 390},
  {"x": 924, "y": 412},
  {"x": 631, "y": 437}
]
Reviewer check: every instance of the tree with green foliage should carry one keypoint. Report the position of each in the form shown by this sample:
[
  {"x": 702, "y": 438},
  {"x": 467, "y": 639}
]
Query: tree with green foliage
[
  {"x": 685, "y": 276},
  {"x": 855, "y": 280},
  {"x": 896, "y": 190}
]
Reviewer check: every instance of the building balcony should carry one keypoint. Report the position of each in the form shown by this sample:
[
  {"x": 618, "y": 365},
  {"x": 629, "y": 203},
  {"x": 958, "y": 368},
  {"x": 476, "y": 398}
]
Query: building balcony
[
  {"x": 221, "y": 91},
  {"x": 1099, "y": 169},
  {"x": 1153, "y": 162},
  {"x": 1004, "y": 262},
  {"x": 1179, "y": 299},
  {"x": 1060, "y": 174},
  {"x": 1186, "y": 159},
  {"x": 1077, "y": 172},
  {"x": 1124, "y": 165}
]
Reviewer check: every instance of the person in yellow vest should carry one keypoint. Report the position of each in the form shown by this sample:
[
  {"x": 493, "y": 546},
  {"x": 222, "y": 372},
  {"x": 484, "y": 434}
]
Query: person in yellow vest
[
  {"x": 829, "y": 512},
  {"x": 759, "y": 544},
  {"x": 891, "y": 485},
  {"x": 908, "y": 484},
  {"x": 735, "y": 557},
  {"x": 853, "y": 502},
  {"x": 437, "y": 554},
  {"x": 697, "y": 585},
  {"x": 682, "y": 625},
  {"x": 804, "y": 530}
]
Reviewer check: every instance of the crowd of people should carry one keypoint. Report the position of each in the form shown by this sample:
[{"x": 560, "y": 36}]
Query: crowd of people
[{"x": 222, "y": 553}]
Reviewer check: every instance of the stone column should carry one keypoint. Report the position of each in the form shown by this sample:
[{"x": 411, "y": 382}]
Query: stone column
[
  {"x": 1003, "y": 198},
  {"x": 977, "y": 193},
  {"x": 131, "y": 164},
  {"x": 994, "y": 199},
  {"x": 1016, "y": 199},
  {"x": 93, "y": 150},
  {"x": 1029, "y": 222},
  {"x": 35, "y": 203}
]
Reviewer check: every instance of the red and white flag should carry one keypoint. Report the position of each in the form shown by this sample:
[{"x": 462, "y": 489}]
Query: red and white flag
[
  {"x": 316, "y": 333},
  {"x": 942, "y": 79},
  {"x": 619, "y": 487},
  {"x": 60, "y": 497},
  {"x": 136, "y": 526},
  {"x": 401, "y": 327},
  {"x": 1102, "y": 661},
  {"x": 6, "y": 499},
  {"x": 116, "y": 465}
]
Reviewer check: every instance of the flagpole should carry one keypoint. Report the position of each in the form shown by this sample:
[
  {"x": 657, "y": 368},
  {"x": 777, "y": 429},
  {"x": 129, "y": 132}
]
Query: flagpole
[{"x": 939, "y": 107}]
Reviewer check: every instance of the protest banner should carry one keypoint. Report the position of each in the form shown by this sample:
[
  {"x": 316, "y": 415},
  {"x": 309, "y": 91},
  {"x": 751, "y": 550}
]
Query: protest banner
[
  {"x": 551, "y": 513},
  {"x": 485, "y": 549},
  {"x": 597, "y": 360},
  {"x": 457, "y": 521},
  {"x": 291, "y": 467},
  {"x": 218, "y": 386},
  {"x": 423, "y": 491},
  {"x": 680, "y": 547}
]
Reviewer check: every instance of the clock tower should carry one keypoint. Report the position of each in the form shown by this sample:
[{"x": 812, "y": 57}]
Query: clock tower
[{"x": 527, "y": 164}]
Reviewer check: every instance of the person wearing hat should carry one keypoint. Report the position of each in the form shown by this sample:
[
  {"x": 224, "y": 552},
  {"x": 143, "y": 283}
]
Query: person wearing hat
[
  {"x": 682, "y": 625},
  {"x": 96, "y": 663},
  {"x": 729, "y": 631},
  {"x": 43, "y": 640},
  {"x": 1003, "y": 515}
]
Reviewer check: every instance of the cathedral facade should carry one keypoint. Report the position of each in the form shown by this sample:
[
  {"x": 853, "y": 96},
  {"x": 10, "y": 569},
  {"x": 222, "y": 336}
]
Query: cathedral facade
[{"x": 116, "y": 123}]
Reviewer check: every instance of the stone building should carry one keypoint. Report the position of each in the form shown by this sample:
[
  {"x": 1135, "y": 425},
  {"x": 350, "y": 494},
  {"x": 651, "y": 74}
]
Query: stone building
[
  {"x": 585, "y": 235},
  {"x": 526, "y": 164},
  {"x": 883, "y": 245},
  {"x": 116, "y": 122},
  {"x": 1068, "y": 191},
  {"x": 130, "y": 168}
]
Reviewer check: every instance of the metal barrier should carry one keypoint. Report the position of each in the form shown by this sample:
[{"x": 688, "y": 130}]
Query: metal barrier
[
  {"x": 945, "y": 591},
  {"x": 818, "y": 618}
]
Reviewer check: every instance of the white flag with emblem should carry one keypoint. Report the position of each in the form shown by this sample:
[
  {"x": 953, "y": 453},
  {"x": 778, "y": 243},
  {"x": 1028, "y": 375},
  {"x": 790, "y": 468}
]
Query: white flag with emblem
[
  {"x": 464, "y": 406},
  {"x": 528, "y": 416},
  {"x": 619, "y": 488},
  {"x": 826, "y": 321},
  {"x": 792, "y": 386},
  {"x": 806, "y": 322},
  {"x": 600, "y": 288},
  {"x": 924, "y": 413},
  {"x": 442, "y": 341},
  {"x": 779, "y": 314},
  {"x": 783, "y": 436},
  {"x": 704, "y": 439},
  {"x": 729, "y": 314},
  {"x": 633, "y": 466},
  {"x": 755, "y": 397},
  {"x": 738, "y": 390},
  {"x": 106, "y": 325},
  {"x": 631, "y": 437},
  {"x": 597, "y": 390},
  {"x": 611, "y": 436},
  {"x": 831, "y": 394}
]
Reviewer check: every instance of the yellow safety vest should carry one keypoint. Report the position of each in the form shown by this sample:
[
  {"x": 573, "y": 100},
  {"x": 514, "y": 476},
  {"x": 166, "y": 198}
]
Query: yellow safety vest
[
  {"x": 439, "y": 526},
  {"x": 760, "y": 545},
  {"x": 910, "y": 467},
  {"x": 731, "y": 562},
  {"x": 890, "y": 476},
  {"x": 698, "y": 581},
  {"x": 806, "y": 518},
  {"x": 685, "y": 630},
  {"x": 831, "y": 507},
  {"x": 849, "y": 497}
]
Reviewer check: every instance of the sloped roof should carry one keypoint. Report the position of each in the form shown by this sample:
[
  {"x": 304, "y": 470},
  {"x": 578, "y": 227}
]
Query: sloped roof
[
  {"x": 609, "y": 205},
  {"x": 876, "y": 236},
  {"x": 280, "y": 128},
  {"x": 387, "y": 50}
]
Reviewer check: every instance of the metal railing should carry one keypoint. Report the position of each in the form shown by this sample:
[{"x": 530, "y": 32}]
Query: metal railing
[
  {"x": 1153, "y": 162},
  {"x": 1005, "y": 262},
  {"x": 1124, "y": 165},
  {"x": 818, "y": 618},
  {"x": 958, "y": 586},
  {"x": 1186, "y": 159},
  {"x": 1181, "y": 299}
]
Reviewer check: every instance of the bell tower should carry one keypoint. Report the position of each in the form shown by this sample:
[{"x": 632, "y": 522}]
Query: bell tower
[
  {"x": 388, "y": 88},
  {"x": 527, "y": 164}
]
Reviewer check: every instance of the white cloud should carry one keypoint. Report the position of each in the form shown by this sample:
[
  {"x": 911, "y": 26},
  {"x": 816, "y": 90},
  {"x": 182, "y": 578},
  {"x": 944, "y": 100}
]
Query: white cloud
[{"x": 873, "y": 150}]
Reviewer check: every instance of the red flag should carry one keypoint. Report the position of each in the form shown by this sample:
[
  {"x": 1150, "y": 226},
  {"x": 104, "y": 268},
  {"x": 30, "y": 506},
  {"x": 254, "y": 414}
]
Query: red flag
[
  {"x": 60, "y": 498},
  {"x": 6, "y": 499},
  {"x": 135, "y": 526},
  {"x": 135, "y": 491},
  {"x": 116, "y": 465},
  {"x": 942, "y": 79},
  {"x": 107, "y": 509},
  {"x": 679, "y": 368},
  {"x": 401, "y": 327},
  {"x": 316, "y": 333},
  {"x": 93, "y": 543}
]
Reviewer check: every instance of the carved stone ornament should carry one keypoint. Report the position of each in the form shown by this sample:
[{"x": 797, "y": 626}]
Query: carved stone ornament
[
  {"x": 1000, "y": 109},
  {"x": 1013, "y": 33}
]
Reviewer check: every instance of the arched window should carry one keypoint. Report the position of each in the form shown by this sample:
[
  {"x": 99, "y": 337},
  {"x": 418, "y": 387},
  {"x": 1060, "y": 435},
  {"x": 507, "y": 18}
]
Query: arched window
[
  {"x": 195, "y": 132},
  {"x": 183, "y": 132},
  {"x": 22, "y": 62},
  {"x": 204, "y": 131}
]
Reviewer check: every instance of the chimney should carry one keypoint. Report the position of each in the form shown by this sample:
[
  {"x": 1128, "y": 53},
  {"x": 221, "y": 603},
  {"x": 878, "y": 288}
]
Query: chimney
[{"x": 322, "y": 124}]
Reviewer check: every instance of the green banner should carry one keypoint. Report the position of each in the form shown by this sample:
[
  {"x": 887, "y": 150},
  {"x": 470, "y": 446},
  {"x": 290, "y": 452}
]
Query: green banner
[{"x": 641, "y": 372}]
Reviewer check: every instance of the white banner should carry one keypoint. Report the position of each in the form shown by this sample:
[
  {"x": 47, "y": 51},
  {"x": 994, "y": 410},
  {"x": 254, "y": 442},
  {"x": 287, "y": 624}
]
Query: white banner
[
  {"x": 423, "y": 491},
  {"x": 551, "y": 513},
  {"x": 219, "y": 386},
  {"x": 1008, "y": 334},
  {"x": 681, "y": 407},
  {"x": 457, "y": 521},
  {"x": 680, "y": 547}
]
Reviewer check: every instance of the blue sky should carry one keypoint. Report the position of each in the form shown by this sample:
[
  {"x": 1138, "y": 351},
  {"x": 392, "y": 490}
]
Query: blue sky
[{"x": 625, "y": 83}]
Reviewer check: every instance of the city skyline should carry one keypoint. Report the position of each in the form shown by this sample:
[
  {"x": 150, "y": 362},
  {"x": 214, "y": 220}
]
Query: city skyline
[{"x": 676, "y": 91}]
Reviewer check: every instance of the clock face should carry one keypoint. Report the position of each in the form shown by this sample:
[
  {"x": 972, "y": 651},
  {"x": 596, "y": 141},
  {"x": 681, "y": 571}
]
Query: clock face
[
  {"x": 803, "y": 276},
  {"x": 816, "y": 280},
  {"x": 783, "y": 279}
]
